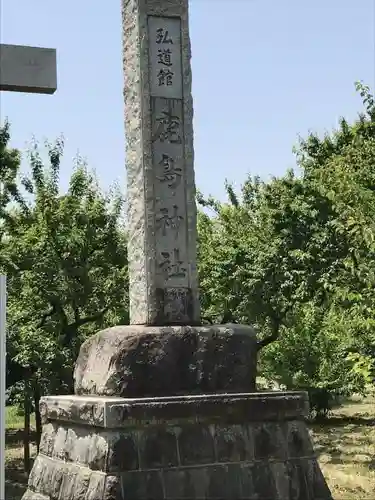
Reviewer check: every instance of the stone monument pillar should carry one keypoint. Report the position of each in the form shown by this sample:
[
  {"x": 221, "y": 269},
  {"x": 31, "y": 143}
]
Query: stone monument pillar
[
  {"x": 166, "y": 408},
  {"x": 161, "y": 189}
]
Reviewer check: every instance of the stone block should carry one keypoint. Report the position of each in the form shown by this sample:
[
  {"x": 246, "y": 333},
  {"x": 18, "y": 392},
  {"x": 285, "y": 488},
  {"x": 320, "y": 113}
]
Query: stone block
[
  {"x": 257, "y": 481},
  {"x": 86, "y": 411},
  {"x": 158, "y": 448},
  {"x": 298, "y": 440},
  {"x": 96, "y": 487},
  {"x": 223, "y": 409},
  {"x": 297, "y": 481},
  {"x": 196, "y": 445},
  {"x": 59, "y": 480},
  {"x": 31, "y": 495},
  {"x": 75, "y": 444},
  {"x": 281, "y": 480},
  {"x": 233, "y": 443},
  {"x": 87, "y": 449},
  {"x": 187, "y": 483},
  {"x": 269, "y": 441},
  {"x": 46, "y": 477},
  {"x": 75, "y": 483},
  {"x": 174, "y": 484},
  {"x": 113, "y": 488},
  {"x": 224, "y": 482},
  {"x": 144, "y": 361},
  {"x": 145, "y": 485},
  {"x": 47, "y": 440},
  {"x": 123, "y": 451}
]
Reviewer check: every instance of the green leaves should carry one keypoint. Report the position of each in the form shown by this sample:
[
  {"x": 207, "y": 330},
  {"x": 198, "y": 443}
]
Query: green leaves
[
  {"x": 66, "y": 261},
  {"x": 295, "y": 256}
]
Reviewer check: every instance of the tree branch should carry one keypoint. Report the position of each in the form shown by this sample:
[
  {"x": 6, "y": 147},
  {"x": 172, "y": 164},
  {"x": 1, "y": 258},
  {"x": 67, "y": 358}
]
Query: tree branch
[
  {"x": 45, "y": 316},
  {"x": 268, "y": 340},
  {"x": 89, "y": 319},
  {"x": 228, "y": 317},
  {"x": 58, "y": 309},
  {"x": 276, "y": 322},
  {"x": 209, "y": 320}
]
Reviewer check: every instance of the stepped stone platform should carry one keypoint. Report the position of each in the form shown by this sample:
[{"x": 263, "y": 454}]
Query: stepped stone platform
[{"x": 218, "y": 446}]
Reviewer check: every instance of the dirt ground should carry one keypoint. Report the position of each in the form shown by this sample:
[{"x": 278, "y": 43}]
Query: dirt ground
[{"x": 345, "y": 446}]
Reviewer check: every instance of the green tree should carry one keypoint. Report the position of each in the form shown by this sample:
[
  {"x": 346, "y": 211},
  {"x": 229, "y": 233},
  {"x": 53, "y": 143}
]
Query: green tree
[
  {"x": 295, "y": 255},
  {"x": 267, "y": 251},
  {"x": 66, "y": 261},
  {"x": 341, "y": 166},
  {"x": 9, "y": 186}
]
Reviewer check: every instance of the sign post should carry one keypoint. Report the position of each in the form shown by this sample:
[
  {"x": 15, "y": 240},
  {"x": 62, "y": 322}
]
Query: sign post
[{"x": 2, "y": 381}]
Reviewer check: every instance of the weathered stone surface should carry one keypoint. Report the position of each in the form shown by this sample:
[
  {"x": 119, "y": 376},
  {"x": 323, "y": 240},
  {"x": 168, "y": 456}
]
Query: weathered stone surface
[
  {"x": 160, "y": 173},
  {"x": 113, "y": 488},
  {"x": 75, "y": 444},
  {"x": 144, "y": 484},
  {"x": 158, "y": 448},
  {"x": 196, "y": 445},
  {"x": 233, "y": 443},
  {"x": 161, "y": 452},
  {"x": 122, "y": 451},
  {"x": 224, "y": 481},
  {"x": 220, "y": 409},
  {"x": 56, "y": 479},
  {"x": 269, "y": 441},
  {"x": 87, "y": 410},
  {"x": 32, "y": 495},
  {"x": 298, "y": 440},
  {"x": 140, "y": 361}
]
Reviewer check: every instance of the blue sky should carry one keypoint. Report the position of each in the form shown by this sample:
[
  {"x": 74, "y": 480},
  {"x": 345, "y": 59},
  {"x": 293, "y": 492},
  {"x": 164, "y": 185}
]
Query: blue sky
[{"x": 264, "y": 71}]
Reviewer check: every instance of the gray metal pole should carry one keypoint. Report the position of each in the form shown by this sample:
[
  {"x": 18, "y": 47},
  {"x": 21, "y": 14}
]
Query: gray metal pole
[{"x": 2, "y": 381}]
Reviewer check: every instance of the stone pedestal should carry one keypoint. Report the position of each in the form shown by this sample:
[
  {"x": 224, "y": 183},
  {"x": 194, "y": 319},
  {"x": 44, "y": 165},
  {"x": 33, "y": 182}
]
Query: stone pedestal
[
  {"x": 238, "y": 446},
  {"x": 150, "y": 361}
]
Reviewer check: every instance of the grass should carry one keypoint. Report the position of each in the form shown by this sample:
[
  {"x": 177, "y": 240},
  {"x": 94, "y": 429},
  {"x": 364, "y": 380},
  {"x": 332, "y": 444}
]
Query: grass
[
  {"x": 345, "y": 445},
  {"x": 13, "y": 420}
]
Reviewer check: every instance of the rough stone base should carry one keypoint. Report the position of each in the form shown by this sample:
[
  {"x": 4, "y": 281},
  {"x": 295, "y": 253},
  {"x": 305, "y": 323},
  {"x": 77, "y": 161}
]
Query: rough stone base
[
  {"x": 237, "y": 446},
  {"x": 149, "y": 361}
]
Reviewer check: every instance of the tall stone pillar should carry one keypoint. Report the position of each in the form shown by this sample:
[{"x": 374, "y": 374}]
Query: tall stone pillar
[{"x": 160, "y": 163}]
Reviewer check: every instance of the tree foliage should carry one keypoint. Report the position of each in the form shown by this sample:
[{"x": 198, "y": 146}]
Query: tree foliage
[
  {"x": 295, "y": 256},
  {"x": 66, "y": 261}
]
